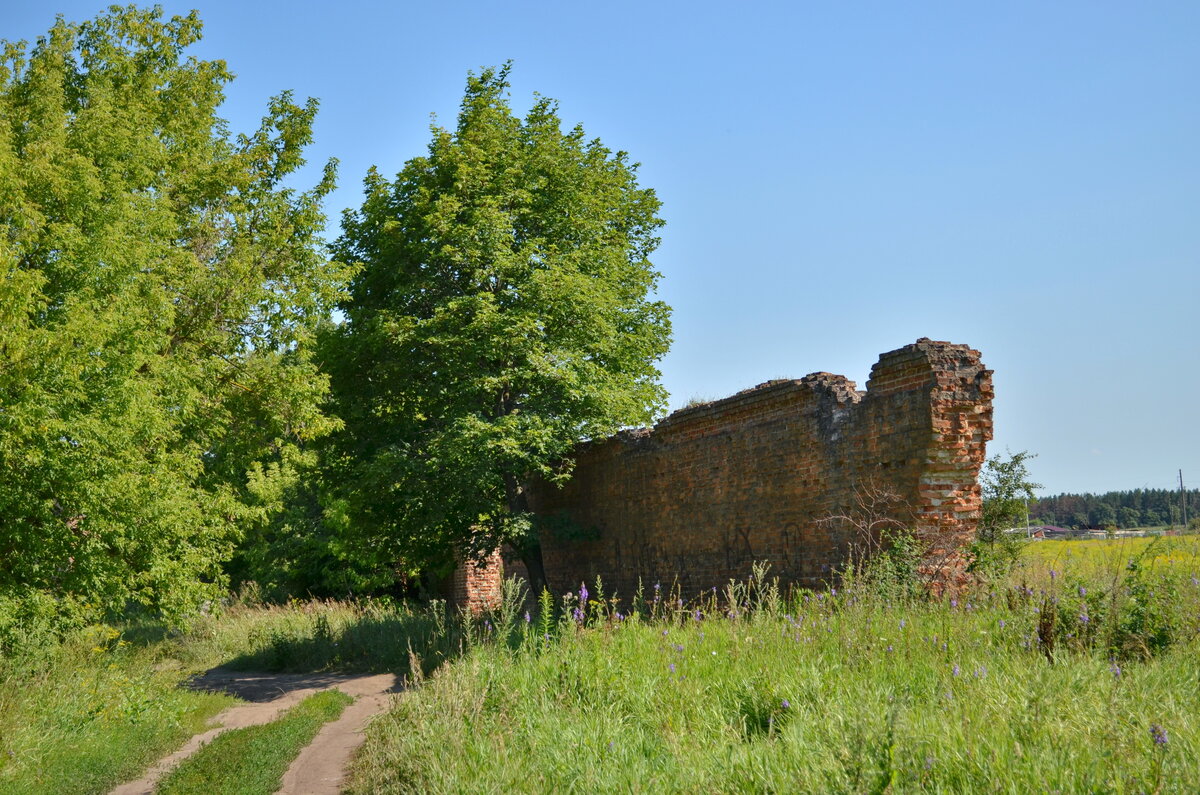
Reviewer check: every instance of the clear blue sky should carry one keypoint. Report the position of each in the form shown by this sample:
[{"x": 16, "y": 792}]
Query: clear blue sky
[{"x": 838, "y": 180}]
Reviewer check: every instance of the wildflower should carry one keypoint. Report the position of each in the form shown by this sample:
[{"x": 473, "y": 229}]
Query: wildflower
[
  {"x": 889, "y": 648},
  {"x": 1082, "y": 591},
  {"x": 1158, "y": 734},
  {"x": 833, "y": 591},
  {"x": 672, "y": 667},
  {"x": 583, "y": 593},
  {"x": 902, "y": 623},
  {"x": 677, "y": 647},
  {"x": 664, "y": 632},
  {"x": 786, "y": 704},
  {"x": 577, "y": 614},
  {"x": 527, "y": 617},
  {"x": 1083, "y": 618},
  {"x": 1053, "y": 574},
  {"x": 981, "y": 672},
  {"x": 679, "y": 603},
  {"x": 1116, "y": 670},
  {"x": 697, "y": 615},
  {"x": 619, "y": 616},
  {"x": 956, "y": 669},
  {"x": 1002, "y": 623}
]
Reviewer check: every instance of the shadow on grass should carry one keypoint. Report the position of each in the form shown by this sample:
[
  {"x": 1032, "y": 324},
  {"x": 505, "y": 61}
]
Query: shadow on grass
[
  {"x": 408, "y": 645},
  {"x": 263, "y": 687}
]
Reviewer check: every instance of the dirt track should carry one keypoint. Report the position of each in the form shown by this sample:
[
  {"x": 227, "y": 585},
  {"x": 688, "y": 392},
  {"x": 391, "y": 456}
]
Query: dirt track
[{"x": 321, "y": 766}]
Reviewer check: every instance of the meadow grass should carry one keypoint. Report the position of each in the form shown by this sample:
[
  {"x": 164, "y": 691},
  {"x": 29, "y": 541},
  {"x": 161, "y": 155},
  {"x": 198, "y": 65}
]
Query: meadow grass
[
  {"x": 96, "y": 709},
  {"x": 92, "y": 712},
  {"x": 252, "y": 761},
  {"x": 1104, "y": 558},
  {"x": 1018, "y": 689}
]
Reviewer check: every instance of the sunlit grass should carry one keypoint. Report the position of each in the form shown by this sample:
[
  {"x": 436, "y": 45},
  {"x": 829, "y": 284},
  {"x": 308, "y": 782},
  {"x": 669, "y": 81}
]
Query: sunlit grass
[{"x": 821, "y": 694}]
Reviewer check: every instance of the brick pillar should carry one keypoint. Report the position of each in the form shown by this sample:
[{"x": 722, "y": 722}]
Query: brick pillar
[{"x": 477, "y": 587}]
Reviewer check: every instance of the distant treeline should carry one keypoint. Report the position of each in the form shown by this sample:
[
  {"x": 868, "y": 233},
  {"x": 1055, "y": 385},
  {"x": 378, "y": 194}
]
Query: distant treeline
[{"x": 1137, "y": 508}]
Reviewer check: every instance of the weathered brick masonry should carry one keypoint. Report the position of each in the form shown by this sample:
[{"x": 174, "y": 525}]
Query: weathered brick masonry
[{"x": 755, "y": 477}]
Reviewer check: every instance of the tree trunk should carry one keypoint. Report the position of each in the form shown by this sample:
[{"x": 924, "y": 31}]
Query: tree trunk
[
  {"x": 530, "y": 549},
  {"x": 531, "y": 556}
]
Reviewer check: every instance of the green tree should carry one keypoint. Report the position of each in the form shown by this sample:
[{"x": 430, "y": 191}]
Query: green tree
[
  {"x": 159, "y": 288},
  {"x": 503, "y": 313},
  {"x": 1006, "y": 486}
]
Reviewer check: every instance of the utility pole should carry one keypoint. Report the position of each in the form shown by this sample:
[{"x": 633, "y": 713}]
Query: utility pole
[{"x": 1183, "y": 500}]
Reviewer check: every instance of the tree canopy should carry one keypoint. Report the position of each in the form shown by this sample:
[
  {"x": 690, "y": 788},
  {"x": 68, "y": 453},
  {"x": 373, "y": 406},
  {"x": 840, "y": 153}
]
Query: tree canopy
[
  {"x": 504, "y": 311},
  {"x": 159, "y": 287}
]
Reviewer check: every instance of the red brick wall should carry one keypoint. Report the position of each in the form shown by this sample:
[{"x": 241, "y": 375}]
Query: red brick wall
[
  {"x": 713, "y": 489},
  {"x": 477, "y": 587}
]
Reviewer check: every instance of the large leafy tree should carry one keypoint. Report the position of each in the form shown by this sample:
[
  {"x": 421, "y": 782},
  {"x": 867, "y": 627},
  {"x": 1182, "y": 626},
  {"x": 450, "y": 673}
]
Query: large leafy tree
[
  {"x": 504, "y": 311},
  {"x": 159, "y": 288}
]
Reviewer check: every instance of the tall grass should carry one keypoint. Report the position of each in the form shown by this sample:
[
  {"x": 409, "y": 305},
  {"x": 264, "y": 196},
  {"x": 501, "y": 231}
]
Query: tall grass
[
  {"x": 1009, "y": 690},
  {"x": 96, "y": 708}
]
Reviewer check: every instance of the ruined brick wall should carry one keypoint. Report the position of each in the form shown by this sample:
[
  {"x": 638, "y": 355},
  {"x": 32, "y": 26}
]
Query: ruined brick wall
[
  {"x": 754, "y": 477},
  {"x": 476, "y": 587},
  {"x": 757, "y": 476}
]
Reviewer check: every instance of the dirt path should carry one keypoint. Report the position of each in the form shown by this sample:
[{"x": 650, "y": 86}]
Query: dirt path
[{"x": 321, "y": 766}]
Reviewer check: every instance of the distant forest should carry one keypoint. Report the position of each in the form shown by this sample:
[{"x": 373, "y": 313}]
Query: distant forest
[{"x": 1123, "y": 509}]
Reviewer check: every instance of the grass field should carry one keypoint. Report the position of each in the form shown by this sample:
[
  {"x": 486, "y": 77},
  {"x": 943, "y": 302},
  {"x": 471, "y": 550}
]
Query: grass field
[
  {"x": 100, "y": 707},
  {"x": 1078, "y": 683},
  {"x": 1081, "y": 673},
  {"x": 1110, "y": 558}
]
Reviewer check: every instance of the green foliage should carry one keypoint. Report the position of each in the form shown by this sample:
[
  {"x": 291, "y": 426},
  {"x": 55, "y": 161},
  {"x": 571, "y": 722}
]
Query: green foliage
[
  {"x": 1133, "y": 508},
  {"x": 159, "y": 288},
  {"x": 1006, "y": 487},
  {"x": 502, "y": 314},
  {"x": 252, "y": 761},
  {"x": 892, "y": 572}
]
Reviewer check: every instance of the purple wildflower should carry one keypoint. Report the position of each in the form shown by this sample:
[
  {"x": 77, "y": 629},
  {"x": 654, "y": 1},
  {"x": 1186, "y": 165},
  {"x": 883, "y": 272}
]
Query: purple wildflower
[
  {"x": 953, "y": 603},
  {"x": 1116, "y": 670},
  {"x": 577, "y": 614},
  {"x": 672, "y": 667},
  {"x": 889, "y": 648},
  {"x": 677, "y": 647},
  {"x": 1002, "y": 623},
  {"x": 956, "y": 669},
  {"x": 697, "y": 615},
  {"x": 1082, "y": 591},
  {"x": 1083, "y": 618},
  {"x": 527, "y": 617},
  {"x": 1158, "y": 734},
  {"x": 902, "y": 623},
  {"x": 583, "y": 593},
  {"x": 1053, "y": 574},
  {"x": 786, "y": 704}
]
